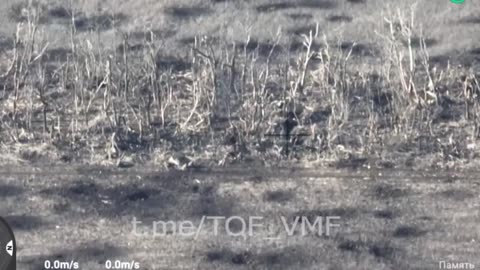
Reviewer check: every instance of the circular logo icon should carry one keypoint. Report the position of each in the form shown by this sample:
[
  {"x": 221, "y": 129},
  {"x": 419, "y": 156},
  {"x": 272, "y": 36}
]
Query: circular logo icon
[{"x": 8, "y": 255}]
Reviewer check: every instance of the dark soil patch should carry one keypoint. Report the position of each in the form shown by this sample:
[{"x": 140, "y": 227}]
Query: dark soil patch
[
  {"x": 317, "y": 4},
  {"x": 60, "y": 12},
  {"x": 475, "y": 51},
  {"x": 24, "y": 222},
  {"x": 6, "y": 43},
  {"x": 408, "y": 232},
  {"x": 228, "y": 256},
  {"x": 382, "y": 251},
  {"x": 101, "y": 22},
  {"x": 173, "y": 63},
  {"x": 382, "y": 101},
  {"x": 56, "y": 55},
  {"x": 82, "y": 188},
  {"x": 383, "y": 192},
  {"x": 138, "y": 195},
  {"x": 151, "y": 35},
  {"x": 457, "y": 194},
  {"x": 440, "y": 60},
  {"x": 303, "y": 30},
  {"x": 279, "y": 196},
  {"x": 350, "y": 245},
  {"x": 340, "y": 18},
  {"x": 241, "y": 259},
  {"x": 9, "y": 190},
  {"x": 187, "y": 41},
  {"x": 119, "y": 197},
  {"x": 22, "y": 10},
  {"x": 298, "y": 46},
  {"x": 357, "y": 1},
  {"x": 385, "y": 214},
  {"x": 262, "y": 48},
  {"x": 275, "y": 7},
  {"x": 130, "y": 48},
  {"x": 290, "y": 257},
  {"x": 187, "y": 12},
  {"x": 470, "y": 20},
  {"x": 358, "y": 49},
  {"x": 321, "y": 115},
  {"x": 300, "y": 16},
  {"x": 351, "y": 162},
  {"x": 416, "y": 42},
  {"x": 213, "y": 205}
]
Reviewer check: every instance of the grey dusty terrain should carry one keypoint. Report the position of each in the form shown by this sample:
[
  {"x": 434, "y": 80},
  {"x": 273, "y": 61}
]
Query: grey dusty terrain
[{"x": 120, "y": 116}]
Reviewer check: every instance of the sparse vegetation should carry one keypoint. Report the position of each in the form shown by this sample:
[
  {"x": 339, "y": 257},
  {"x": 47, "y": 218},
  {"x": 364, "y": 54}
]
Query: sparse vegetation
[
  {"x": 192, "y": 84},
  {"x": 98, "y": 103}
]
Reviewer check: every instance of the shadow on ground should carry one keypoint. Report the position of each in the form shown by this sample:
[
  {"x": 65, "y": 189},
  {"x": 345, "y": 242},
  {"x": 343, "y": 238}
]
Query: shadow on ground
[
  {"x": 303, "y": 29},
  {"x": 100, "y": 22},
  {"x": 313, "y": 4},
  {"x": 160, "y": 196},
  {"x": 300, "y": 16},
  {"x": 470, "y": 20},
  {"x": 187, "y": 12},
  {"x": 263, "y": 49},
  {"x": 457, "y": 194},
  {"x": 357, "y": 1},
  {"x": 381, "y": 250},
  {"x": 19, "y": 12},
  {"x": 151, "y": 35},
  {"x": 380, "y": 225},
  {"x": 25, "y": 222},
  {"x": 56, "y": 55},
  {"x": 173, "y": 63},
  {"x": 385, "y": 192},
  {"x": 9, "y": 190},
  {"x": 6, "y": 43},
  {"x": 283, "y": 258},
  {"x": 406, "y": 231},
  {"x": 340, "y": 18},
  {"x": 358, "y": 49}
]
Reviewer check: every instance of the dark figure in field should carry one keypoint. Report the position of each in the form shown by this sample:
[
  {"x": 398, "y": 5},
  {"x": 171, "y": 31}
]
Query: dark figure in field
[{"x": 288, "y": 125}]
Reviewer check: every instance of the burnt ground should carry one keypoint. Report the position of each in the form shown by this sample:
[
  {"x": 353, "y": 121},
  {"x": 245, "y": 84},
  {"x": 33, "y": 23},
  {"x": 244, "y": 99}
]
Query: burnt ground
[
  {"x": 386, "y": 125},
  {"x": 388, "y": 219},
  {"x": 397, "y": 171}
]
